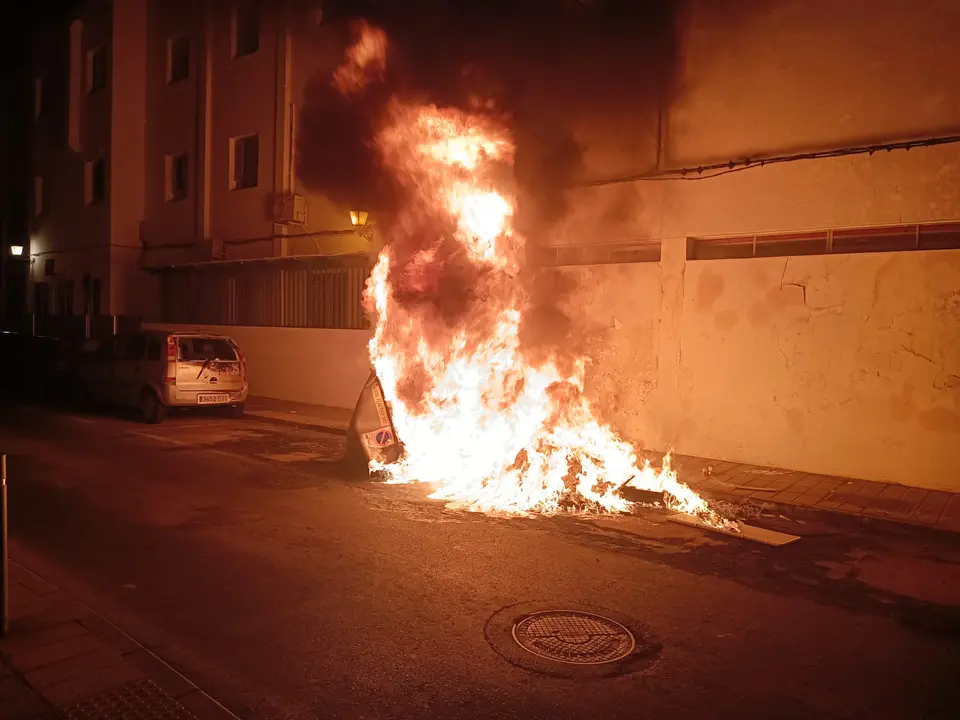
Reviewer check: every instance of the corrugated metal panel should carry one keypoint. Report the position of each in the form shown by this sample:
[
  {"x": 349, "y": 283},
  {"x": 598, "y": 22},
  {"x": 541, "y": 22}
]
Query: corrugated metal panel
[{"x": 305, "y": 294}]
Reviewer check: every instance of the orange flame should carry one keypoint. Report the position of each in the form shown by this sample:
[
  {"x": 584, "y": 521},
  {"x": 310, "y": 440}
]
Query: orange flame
[
  {"x": 490, "y": 428},
  {"x": 366, "y": 59}
]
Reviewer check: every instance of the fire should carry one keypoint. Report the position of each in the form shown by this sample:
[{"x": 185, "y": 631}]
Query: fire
[
  {"x": 492, "y": 429},
  {"x": 366, "y": 59}
]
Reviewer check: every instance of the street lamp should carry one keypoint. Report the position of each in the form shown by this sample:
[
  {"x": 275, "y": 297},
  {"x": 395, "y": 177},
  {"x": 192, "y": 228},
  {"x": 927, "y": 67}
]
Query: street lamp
[
  {"x": 358, "y": 218},
  {"x": 16, "y": 250}
]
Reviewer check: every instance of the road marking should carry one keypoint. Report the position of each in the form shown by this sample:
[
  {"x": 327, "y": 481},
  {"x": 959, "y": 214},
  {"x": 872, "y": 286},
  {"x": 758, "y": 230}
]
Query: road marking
[
  {"x": 256, "y": 459},
  {"x": 160, "y": 438}
]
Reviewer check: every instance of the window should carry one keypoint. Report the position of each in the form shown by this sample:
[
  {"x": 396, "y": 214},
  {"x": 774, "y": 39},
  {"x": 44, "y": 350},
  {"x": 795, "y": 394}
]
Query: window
[
  {"x": 136, "y": 348},
  {"x": 244, "y": 161},
  {"x": 178, "y": 59},
  {"x": 95, "y": 181},
  {"x": 195, "y": 349},
  {"x": 49, "y": 267},
  {"x": 37, "y": 97},
  {"x": 245, "y": 28},
  {"x": 38, "y": 199},
  {"x": 176, "y": 177},
  {"x": 898, "y": 238},
  {"x": 96, "y": 69}
]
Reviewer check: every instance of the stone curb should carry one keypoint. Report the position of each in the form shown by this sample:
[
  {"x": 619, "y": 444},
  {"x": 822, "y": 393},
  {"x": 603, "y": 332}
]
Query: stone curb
[{"x": 296, "y": 422}]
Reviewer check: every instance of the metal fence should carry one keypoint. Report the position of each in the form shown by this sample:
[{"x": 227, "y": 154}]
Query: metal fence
[{"x": 309, "y": 293}]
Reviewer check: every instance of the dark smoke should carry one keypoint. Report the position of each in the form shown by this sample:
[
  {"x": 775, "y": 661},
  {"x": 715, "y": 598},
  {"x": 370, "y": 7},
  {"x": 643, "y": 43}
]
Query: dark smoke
[
  {"x": 559, "y": 71},
  {"x": 557, "y": 67}
]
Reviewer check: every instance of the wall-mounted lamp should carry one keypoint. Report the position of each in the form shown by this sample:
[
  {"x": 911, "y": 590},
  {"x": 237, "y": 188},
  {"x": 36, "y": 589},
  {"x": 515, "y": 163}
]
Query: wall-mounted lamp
[
  {"x": 358, "y": 218},
  {"x": 16, "y": 250}
]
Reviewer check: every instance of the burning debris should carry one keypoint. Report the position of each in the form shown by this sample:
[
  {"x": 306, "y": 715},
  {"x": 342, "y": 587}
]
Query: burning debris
[{"x": 492, "y": 429}]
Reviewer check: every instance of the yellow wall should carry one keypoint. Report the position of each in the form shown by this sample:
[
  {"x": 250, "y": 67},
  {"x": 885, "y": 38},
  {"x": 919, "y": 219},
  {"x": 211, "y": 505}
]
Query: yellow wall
[{"x": 842, "y": 364}]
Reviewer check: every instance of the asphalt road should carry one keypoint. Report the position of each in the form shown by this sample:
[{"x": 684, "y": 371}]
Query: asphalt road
[{"x": 244, "y": 555}]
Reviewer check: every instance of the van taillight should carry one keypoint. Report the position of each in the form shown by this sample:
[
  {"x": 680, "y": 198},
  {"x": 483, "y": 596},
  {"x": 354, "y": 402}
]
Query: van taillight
[
  {"x": 243, "y": 362},
  {"x": 171, "y": 360}
]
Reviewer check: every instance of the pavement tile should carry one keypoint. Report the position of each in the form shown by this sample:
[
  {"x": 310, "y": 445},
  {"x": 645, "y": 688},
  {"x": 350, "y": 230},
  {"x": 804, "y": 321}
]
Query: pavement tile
[
  {"x": 952, "y": 510},
  {"x": 811, "y": 482},
  {"x": 111, "y": 635},
  {"x": 62, "y": 670},
  {"x": 851, "y": 509},
  {"x": 17, "y": 642},
  {"x": 949, "y": 524},
  {"x": 26, "y": 706},
  {"x": 205, "y": 707},
  {"x": 11, "y": 686},
  {"x": 169, "y": 680},
  {"x": 723, "y": 466},
  {"x": 931, "y": 508},
  {"x": 89, "y": 684},
  {"x": 871, "y": 489},
  {"x": 51, "y": 612},
  {"x": 32, "y": 582},
  {"x": 828, "y": 504},
  {"x": 22, "y": 599},
  {"x": 781, "y": 483},
  {"x": 810, "y": 498},
  {"x": 916, "y": 495},
  {"x": 894, "y": 492},
  {"x": 829, "y": 483},
  {"x": 29, "y": 657},
  {"x": 785, "y": 497}
]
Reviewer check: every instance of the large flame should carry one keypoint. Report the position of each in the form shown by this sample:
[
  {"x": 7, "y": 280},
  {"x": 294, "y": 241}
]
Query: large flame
[{"x": 493, "y": 429}]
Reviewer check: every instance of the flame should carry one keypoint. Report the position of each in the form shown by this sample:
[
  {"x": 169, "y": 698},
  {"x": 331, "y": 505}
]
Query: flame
[
  {"x": 366, "y": 59},
  {"x": 492, "y": 429}
]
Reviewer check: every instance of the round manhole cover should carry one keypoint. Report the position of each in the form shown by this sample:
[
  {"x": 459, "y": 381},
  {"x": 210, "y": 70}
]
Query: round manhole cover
[{"x": 575, "y": 638}]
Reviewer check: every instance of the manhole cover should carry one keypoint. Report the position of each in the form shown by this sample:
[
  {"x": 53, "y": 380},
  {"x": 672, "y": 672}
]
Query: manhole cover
[{"x": 576, "y": 638}]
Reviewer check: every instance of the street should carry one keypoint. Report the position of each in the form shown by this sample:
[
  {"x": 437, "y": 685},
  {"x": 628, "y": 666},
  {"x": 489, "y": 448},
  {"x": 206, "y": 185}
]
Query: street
[{"x": 244, "y": 554}]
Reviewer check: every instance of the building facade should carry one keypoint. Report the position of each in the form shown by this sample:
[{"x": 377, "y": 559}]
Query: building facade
[
  {"x": 164, "y": 136},
  {"x": 801, "y": 314}
]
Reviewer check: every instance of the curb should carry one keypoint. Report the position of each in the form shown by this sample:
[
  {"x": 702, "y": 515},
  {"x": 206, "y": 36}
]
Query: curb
[
  {"x": 167, "y": 678},
  {"x": 295, "y": 422},
  {"x": 865, "y": 513}
]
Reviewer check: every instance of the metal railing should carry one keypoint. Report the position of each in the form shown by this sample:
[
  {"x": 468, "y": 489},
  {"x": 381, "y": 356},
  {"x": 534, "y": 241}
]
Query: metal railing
[{"x": 308, "y": 293}]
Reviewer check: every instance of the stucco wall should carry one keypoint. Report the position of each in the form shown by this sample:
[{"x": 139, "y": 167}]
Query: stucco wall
[
  {"x": 310, "y": 365},
  {"x": 174, "y": 124},
  {"x": 841, "y": 364}
]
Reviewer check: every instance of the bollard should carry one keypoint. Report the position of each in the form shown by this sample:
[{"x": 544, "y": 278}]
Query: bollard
[{"x": 4, "y": 585}]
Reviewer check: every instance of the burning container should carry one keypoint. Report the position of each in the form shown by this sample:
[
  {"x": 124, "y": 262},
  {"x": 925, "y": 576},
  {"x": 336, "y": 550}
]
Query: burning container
[{"x": 371, "y": 435}]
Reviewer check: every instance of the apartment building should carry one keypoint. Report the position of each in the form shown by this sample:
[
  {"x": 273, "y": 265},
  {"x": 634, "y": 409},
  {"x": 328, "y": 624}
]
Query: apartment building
[{"x": 164, "y": 141}]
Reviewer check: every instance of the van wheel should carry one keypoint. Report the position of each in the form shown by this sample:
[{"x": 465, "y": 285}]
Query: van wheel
[
  {"x": 236, "y": 411},
  {"x": 152, "y": 410}
]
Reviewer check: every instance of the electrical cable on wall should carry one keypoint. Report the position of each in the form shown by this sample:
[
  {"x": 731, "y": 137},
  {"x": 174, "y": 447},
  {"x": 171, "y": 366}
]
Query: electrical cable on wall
[{"x": 705, "y": 172}]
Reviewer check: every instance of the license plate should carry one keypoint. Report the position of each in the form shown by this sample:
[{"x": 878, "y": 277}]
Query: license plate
[{"x": 211, "y": 398}]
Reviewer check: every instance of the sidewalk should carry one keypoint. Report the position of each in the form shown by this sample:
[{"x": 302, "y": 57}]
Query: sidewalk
[
  {"x": 60, "y": 660},
  {"x": 730, "y": 481},
  {"x": 320, "y": 417},
  {"x": 751, "y": 484}
]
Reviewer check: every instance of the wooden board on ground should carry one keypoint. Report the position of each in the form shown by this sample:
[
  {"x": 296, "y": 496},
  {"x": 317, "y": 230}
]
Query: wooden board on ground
[{"x": 747, "y": 532}]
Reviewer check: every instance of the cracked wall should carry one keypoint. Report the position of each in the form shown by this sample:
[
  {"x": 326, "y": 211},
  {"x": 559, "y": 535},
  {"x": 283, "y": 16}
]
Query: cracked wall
[{"x": 836, "y": 364}]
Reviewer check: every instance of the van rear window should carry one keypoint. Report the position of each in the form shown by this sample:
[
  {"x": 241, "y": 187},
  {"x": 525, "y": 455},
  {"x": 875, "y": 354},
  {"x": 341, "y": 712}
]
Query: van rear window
[{"x": 205, "y": 348}]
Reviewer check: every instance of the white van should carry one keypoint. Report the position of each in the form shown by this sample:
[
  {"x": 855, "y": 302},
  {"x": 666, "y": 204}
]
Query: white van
[{"x": 155, "y": 370}]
